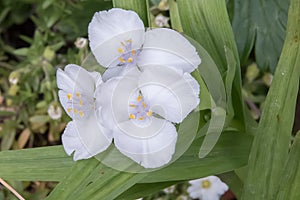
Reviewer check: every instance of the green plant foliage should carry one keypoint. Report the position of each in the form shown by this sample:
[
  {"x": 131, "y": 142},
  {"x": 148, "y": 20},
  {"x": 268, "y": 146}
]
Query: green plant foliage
[
  {"x": 271, "y": 145},
  {"x": 290, "y": 182},
  {"x": 260, "y": 25}
]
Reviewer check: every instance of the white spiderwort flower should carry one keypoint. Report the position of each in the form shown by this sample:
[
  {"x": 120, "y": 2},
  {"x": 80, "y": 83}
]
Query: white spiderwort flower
[
  {"x": 84, "y": 135},
  {"x": 140, "y": 110},
  {"x": 208, "y": 188},
  {"x": 119, "y": 41}
]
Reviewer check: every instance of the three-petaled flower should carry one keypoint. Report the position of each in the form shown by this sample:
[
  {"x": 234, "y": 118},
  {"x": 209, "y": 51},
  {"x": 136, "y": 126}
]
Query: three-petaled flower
[
  {"x": 84, "y": 134},
  {"x": 208, "y": 188},
  {"x": 141, "y": 108},
  {"x": 119, "y": 41}
]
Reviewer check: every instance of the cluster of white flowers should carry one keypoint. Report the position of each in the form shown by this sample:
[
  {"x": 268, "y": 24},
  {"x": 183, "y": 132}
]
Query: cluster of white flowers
[{"x": 146, "y": 88}]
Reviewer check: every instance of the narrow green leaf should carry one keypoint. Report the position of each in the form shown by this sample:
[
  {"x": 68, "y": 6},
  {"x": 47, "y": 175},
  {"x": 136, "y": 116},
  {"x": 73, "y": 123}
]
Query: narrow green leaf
[
  {"x": 216, "y": 102},
  {"x": 89, "y": 179},
  {"x": 229, "y": 153},
  {"x": 81, "y": 170},
  {"x": 290, "y": 182},
  {"x": 174, "y": 16},
  {"x": 270, "y": 147},
  {"x": 234, "y": 182},
  {"x": 21, "y": 52},
  {"x": 260, "y": 24},
  {"x": 207, "y": 22},
  {"x": 41, "y": 164},
  {"x": 144, "y": 189},
  {"x": 141, "y": 7}
]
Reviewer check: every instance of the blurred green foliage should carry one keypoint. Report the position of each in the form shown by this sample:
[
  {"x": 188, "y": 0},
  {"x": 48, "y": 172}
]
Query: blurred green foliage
[{"x": 37, "y": 37}]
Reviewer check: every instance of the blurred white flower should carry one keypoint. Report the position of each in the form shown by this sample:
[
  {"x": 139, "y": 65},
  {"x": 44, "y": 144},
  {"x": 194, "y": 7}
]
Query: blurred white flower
[
  {"x": 84, "y": 135},
  {"x": 140, "y": 107},
  {"x": 208, "y": 188},
  {"x": 81, "y": 42},
  {"x": 119, "y": 42},
  {"x": 182, "y": 197},
  {"x": 170, "y": 189},
  {"x": 54, "y": 112},
  {"x": 161, "y": 21},
  {"x": 14, "y": 77}
]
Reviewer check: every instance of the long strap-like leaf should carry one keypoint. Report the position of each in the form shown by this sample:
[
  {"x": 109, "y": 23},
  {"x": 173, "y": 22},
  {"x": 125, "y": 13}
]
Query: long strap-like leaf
[{"x": 271, "y": 144}]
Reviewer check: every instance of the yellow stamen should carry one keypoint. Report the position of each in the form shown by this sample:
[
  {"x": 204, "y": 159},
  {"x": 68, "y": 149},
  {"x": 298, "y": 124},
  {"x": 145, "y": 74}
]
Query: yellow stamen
[
  {"x": 81, "y": 113},
  {"x": 145, "y": 105},
  {"x": 120, "y": 50},
  {"x": 75, "y": 111},
  {"x": 139, "y": 98},
  {"x": 129, "y": 41},
  {"x": 69, "y": 95},
  {"x": 141, "y": 118},
  {"x": 206, "y": 184},
  {"x": 132, "y": 116},
  {"x": 80, "y": 102},
  {"x": 149, "y": 113},
  {"x": 132, "y": 105},
  {"x": 132, "y": 52},
  {"x": 122, "y": 59},
  {"x": 78, "y": 94},
  {"x": 69, "y": 109},
  {"x": 130, "y": 60}
]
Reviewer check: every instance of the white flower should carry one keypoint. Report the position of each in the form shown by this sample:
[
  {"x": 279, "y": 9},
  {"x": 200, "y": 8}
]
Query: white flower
[
  {"x": 84, "y": 135},
  {"x": 54, "y": 112},
  {"x": 170, "y": 189},
  {"x": 119, "y": 41},
  {"x": 161, "y": 21},
  {"x": 81, "y": 42},
  {"x": 140, "y": 107},
  {"x": 208, "y": 188}
]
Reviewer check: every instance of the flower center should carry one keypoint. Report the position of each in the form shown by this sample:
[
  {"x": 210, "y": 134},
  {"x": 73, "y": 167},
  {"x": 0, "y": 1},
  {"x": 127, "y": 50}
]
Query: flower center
[
  {"x": 206, "y": 184},
  {"x": 139, "y": 109},
  {"x": 76, "y": 104},
  {"x": 128, "y": 54}
]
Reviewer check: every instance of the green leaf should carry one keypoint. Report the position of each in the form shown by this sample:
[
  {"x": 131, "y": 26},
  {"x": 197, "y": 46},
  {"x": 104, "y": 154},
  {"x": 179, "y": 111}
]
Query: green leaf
[
  {"x": 43, "y": 164},
  {"x": 230, "y": 152},
  {"x": 290, "y": 182},
  {"x": 234, "y": 182},
  {"x": 174, "y": 16},
  {"x": 21, "y": 52},
  {"x": 207, "y": 22},
  {"x": 141, "y": 7},
  {"x": 144, "y": 189},
  {"x": 89, "y": 179},
  {"x": 260, "y": 24},
  {"x": 271, "y": 144},
  {"x": 214, "y": 99}
]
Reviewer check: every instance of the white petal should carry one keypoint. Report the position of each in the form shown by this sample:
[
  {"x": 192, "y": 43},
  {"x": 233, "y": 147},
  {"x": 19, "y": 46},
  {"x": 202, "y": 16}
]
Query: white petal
[
  {"x": 75, "y": 78},
  {"x": 151, "y": 152},
  {"x": 167, "y": 47},
  {"x": 172, "y": 95},
  {"x": 113, "y": 97},
  {"x": 109, "y": 28},
  {"x": 85, "y": 138},
  {"x": 77, "y": 88},
  {"x": 116, "y": 71}
]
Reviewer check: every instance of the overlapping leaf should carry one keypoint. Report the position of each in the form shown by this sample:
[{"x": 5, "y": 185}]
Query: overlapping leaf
[{"x": 260, "y": 25}]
